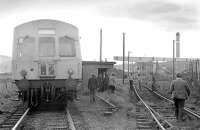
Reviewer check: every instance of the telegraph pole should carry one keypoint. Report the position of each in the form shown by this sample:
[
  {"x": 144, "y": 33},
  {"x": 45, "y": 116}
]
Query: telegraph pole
[
  {"x": 100, "y": 59},
  {"x": 173, "y": 67},
  {"x": 123, "y": 54},
  {"x": 128, "y": 62}
]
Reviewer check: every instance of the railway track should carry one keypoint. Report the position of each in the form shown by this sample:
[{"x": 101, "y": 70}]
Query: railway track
[
  {"x": 188, "y": 110},
  {"x": 14, "y": 120},
  {"x": 147, "y": 118},
  {"x": 164, "y": 111},
  {"x": 22, "y": 118},
  {"x": 111, "y": 108},
  {"x": 49, "y": 120}
]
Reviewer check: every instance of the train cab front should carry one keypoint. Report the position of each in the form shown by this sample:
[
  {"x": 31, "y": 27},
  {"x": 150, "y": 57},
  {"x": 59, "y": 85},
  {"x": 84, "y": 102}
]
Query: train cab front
[{"x": 47, "y": 91}]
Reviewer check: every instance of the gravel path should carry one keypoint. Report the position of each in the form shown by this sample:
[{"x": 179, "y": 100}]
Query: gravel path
[
  {"x": 46, "y": 121},
  {"x": 93, "y": 113}
]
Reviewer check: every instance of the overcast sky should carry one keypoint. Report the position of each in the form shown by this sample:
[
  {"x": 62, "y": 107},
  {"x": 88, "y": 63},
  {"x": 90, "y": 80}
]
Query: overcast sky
[{"x": 150, "y": 25}]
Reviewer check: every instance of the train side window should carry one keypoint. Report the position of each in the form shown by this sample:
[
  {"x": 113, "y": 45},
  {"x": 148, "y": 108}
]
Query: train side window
[
  {"x": 25, "y": 45},
  {"x": 47, "y": 46},
  {"x": 43, "y": 69},
  {"x": 67, "y": 47},
  {"x": 51, "y": 69},
  {"x": 28, "y": 45}
]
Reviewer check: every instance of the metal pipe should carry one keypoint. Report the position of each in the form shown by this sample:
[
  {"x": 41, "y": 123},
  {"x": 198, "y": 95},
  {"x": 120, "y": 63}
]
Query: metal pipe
[
  {"x": 71, "y": 123},
  {"x": 20, "y": 120}
]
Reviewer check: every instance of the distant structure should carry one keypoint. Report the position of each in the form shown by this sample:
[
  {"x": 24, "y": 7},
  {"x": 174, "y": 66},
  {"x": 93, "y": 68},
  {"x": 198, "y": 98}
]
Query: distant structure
[
  {"x": 100, "y": 59},
  {"x": 178, "y": 45}
]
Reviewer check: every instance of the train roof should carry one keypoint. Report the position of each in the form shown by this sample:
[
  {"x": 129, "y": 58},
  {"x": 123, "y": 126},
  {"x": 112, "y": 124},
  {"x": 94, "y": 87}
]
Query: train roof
[{"x": 45, "y": 20}]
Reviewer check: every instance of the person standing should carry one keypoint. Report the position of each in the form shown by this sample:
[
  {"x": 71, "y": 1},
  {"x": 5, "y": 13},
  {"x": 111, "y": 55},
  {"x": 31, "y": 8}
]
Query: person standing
[
  {"x": 139, "y": 84},
  {"x": 70, "y": 87},
  {"x": 131, "y": 81},
  {"x": 92, "y": 86},
  {"x": 24, "y": 86},
  {"x": 100, "y": 82},
  {"x": 105, "y": 82},
  {"x": 180, "y": 92},
  {"x": 112, "y": 83},
  {"x": 153, "y": 85}
]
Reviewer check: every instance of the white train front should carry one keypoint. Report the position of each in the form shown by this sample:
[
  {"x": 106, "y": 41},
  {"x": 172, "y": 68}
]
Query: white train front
[{"x": 47, "y": 50}]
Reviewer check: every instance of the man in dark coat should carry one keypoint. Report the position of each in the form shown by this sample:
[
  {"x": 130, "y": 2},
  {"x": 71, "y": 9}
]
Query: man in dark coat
[
  {"x": 92, "y": 86},
  {"x": 180, "y": 92}
]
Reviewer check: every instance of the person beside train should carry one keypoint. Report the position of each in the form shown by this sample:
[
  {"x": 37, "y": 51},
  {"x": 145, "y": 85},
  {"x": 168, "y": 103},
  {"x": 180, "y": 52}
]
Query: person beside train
[
  {"x": 153, "y": 85},
  {"x": 70, "y": 86},
  {"x": 131, "y": 82},
  {"x": 105, "y": 82},
  {"x": 24, "y": 86},
  {"x": 179, "y": 89},
  {"x": 92, "y": 86},
  {"x": 100, "y": 82},
  {"x": 112, "y": 83}
]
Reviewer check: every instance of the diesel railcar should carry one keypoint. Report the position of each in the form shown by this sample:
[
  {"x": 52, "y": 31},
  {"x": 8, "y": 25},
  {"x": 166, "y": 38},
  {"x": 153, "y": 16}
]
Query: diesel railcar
[{"x": 49, "y": 51}]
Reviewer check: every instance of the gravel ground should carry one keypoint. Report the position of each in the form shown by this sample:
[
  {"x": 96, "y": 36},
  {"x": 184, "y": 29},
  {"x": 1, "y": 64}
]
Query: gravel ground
[
  {"x": 93, "y": 113},
  {"x": 46, "y": 121},
  {"x": 7, "y": 99}
]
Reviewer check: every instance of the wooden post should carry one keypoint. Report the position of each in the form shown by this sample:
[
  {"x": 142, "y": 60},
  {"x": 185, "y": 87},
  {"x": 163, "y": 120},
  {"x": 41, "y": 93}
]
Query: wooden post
[
  {"x": 123, "y": 54},
  {"x": 100, "y": 58}
]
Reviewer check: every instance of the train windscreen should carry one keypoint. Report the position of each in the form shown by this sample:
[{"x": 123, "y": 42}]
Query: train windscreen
[
  {"x": 66, "y": 47},
  {"x": 46, "y": 46}
]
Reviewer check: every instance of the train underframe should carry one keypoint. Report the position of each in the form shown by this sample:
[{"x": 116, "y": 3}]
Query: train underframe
[{"x": 49, "y": 93}]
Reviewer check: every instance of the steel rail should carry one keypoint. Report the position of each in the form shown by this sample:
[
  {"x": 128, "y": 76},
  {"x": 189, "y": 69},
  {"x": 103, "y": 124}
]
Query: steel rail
[
  {"x": 149, "y": 109},
  {"x": 161, "y": 117},
  {"x": 71, "y": 123},
  {"x": 185, "y": 108},
  {"x": 106, "y": 101},
  {"x": 21, "y": 119}
]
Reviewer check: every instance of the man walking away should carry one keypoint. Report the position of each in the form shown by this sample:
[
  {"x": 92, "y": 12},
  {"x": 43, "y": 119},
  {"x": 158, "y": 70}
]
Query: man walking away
[
  {"x": 92, "y": 86},
  {"x": 180, "y": 92}
]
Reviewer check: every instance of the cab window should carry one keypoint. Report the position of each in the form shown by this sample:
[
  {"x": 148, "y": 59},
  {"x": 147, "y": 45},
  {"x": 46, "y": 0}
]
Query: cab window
[
  {"x": 25, "y": 45},
  {"x": 66, "y": 47},
  {"x": 47, "y": 46}
]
